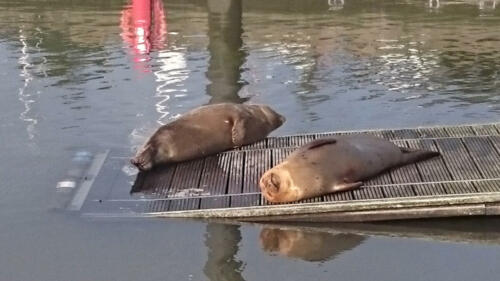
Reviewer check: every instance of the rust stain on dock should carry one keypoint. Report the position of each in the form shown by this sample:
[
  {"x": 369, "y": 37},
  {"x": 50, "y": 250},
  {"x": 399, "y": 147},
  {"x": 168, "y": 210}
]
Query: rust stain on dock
[{"x": 464, "y": 181}]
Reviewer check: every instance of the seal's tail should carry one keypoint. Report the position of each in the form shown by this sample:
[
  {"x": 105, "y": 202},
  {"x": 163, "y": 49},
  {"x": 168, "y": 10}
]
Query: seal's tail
[{"x": 412, "y": 156}]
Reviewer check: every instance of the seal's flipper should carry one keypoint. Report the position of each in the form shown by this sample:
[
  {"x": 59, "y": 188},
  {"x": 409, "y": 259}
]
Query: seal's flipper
[
  {"x": 347, "y": 186},
  {"x": 238, "y": 132},
  {"x": 411, "y": 156},
  {"x": 318, "y": 143}
]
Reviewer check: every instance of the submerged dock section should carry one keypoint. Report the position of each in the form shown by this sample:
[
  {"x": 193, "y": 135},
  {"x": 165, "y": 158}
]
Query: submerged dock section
[{"x": 464, "y": 181}]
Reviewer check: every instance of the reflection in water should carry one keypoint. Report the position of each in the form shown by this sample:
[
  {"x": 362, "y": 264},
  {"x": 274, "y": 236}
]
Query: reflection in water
[
  {"x": 481, "y": 4},
  {"x": 434, "y": 4},
  {"x": 72, "y": 53},
  {"x": 222, "y": 246},
  {"x": 335, "y": 5},
  {"x": 307, "y": 245},
  {"x": 144, "y": 28},
  {"x": 487, "y": 5},
  {"x": 467, "y": 230},
  {"x": 170, "y": 75},
  {"x": 26, "y": 96},
  {"x": 226, "y": 55}
]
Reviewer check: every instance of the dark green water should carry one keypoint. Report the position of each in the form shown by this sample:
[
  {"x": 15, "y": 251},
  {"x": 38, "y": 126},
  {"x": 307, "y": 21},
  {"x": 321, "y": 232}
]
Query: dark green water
[{"x": 79, "y": 76}]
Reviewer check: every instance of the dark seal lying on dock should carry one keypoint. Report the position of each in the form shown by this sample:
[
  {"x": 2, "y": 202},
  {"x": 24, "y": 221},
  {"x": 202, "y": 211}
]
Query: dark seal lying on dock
[
  {"x": 207, "y": 130},
  {"x": 334, "y": 164}
]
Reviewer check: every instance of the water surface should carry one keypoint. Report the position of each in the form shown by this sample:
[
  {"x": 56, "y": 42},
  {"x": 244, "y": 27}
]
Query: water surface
[{"x": 78, "y": 77}]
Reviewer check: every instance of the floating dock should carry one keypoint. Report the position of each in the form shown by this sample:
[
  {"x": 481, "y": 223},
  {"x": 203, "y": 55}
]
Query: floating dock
[{"x": 464, "y": 181}]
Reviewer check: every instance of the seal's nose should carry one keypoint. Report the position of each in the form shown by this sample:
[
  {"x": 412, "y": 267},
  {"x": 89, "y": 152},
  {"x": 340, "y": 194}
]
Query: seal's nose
[
  {"x": 139, "y": 164},
  {"x": 282, "y": 119}
]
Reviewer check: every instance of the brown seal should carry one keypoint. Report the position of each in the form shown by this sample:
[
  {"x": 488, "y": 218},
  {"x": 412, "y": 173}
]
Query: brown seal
[
  {"x": 207, "y": 130},
  {"x": 334, "y": 164}
]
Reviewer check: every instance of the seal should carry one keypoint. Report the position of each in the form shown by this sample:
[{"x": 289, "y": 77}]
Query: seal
[
  {"x": 207, "y": 130},
  {"x": 334, "y": 164}
]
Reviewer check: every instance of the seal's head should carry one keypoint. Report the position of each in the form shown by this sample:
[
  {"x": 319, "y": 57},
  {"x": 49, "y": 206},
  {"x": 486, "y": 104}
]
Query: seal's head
[
  {"x": 274, "y": 118},
  {"x": 277, "y": 185},
  {"x": 144, "y": 159},
  {"x": 267, "y": 114}
]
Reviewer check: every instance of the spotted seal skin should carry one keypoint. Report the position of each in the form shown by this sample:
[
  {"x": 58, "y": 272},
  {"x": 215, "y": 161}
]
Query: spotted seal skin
[
  {"x": 334, "y": 164},
  {"x": 207, "y": 130}
]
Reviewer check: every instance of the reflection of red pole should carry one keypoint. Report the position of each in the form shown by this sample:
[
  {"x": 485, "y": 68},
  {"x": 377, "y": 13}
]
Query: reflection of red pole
[
  {"x": 141, "y": 16},
  {"x": 143, "y": 28}
]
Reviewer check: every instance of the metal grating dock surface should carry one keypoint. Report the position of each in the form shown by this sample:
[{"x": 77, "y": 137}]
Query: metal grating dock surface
[{"x": 464, "y": 181}]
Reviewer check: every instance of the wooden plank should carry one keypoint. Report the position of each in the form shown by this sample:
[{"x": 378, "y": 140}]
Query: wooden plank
[
  {"x": 431, "y": 189},
  {"x": 187, "y": 176},
  {"x": 278, "y": 142},
  {"x": 235, "y": 181},
  {"x": 214, "y": 180},
  {"x": 215, "y": 174},
  {"x": 398, "y": 191},
  {"x": 262, "y": 144},
  {"x": 339, "y": 196},
  {"x": 279, "y": 155},
  {"x": 345, "y": 206},
  {"x": 457, "y": 159},
  {"x": 377, "y": 133},
  {"x": 431, "y": 170},
  {"x": 485, "y": 130},
  {"x": 214, "y": 202},
  {"x": 184, "y": 204},
  {"x": 312, "y": 200},
  {"x": 330, "y": 134},
  {"x": 387, "y": 134},
  {"x": 380, "y": 215},
  {"x": 368, "y": 192},
  {"x": 405, "y": 174},
  {"x": 249, "y": 200},
  {"x": 404, "y": 134},
  {"x": 158, "y": 206},
  {"x": 432, "y": 133},
  {"x": 459, "y": 187},
  {"x": 382, "y": 179},
  {"x": 297, "y": 141},
  {"x": 487, "y": 186},
  {"x": 460, "y": 131},
  {"x": 256, "y": 163},
  {"x": 155, "y": 182},
  {"x": 495, "y": 140},
  {"x": 484, "y": 156}
]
